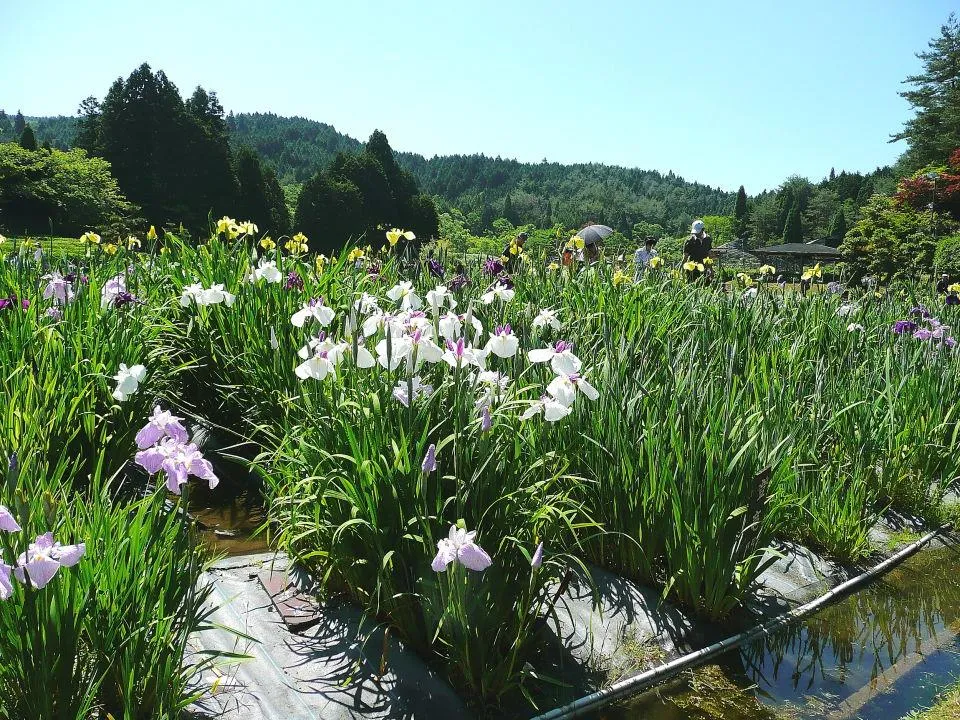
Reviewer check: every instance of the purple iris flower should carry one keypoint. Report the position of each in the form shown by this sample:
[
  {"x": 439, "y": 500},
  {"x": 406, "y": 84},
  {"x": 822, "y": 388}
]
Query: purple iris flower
[
  {"x": 505, "y": 280},
  {"x": 950, "y": 341},
  {"x": 492, "y": 266},
  {"x": 920, "y": 311},
  {"x": 922, "y": 334},
  {"x": 430, "y": 459},
  {"x": 562, "y": 345},
  {"x": 7, "y": 521},
  {"x": 124, "y": 298},
  {"x": 435, "y": 267},
  {"x": 6, "y": 587},
  {"x": 178, "y": 461},
  {"x": 952, "y": 299},
  {"x": 486, "y": 422},
  {"x": 162, "y": 424},
  {"x": 44, "y": 557},
  {"x": 901, "y": 327},
  {"x": 373, "y": 269},
  {"x": 54, "y": 313},
  {"x": 13, "y": 301},
  {"x": 459, "y": 548},
  {"x": 834, "y": 287},
  {"x": 537, "y": 559},
  {"x": 459, "y": 282},
  {"x": 294, "y": 281}
]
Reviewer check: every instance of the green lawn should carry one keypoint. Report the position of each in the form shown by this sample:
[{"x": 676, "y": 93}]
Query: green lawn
[{"x": 49, "y": 243}]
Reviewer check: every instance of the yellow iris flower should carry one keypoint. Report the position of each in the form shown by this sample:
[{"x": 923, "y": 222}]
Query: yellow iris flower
[
  {"x": 227, "y": 226},
  {"x": 621, "y": 278},
  {"x": 690, "y": 266},
  {"x": 708, "y": 261},
  {"x": 268, "y": 244},
  {"x": 811, "y": 273},
  {"x": 745, "y": 279},
  {"x": 110, "y": 249},
  {"x": 319, "y": 262},
  {"x": 553, "y": 266},
  {"x": 355, "y": 254},
  {"x": 90, "y": 238},
  {"x": 394, "y": 235},
  {"x": 297, "y": 244},
  {"x": 152, "y": 233},
  {"x": 655, "y": 262},
  {"x": 247, "y": 228},
  {"x": 443, "y": 244},
  {"x": 954, "y": 288},
  {"x": 767, "y": 270},
  {"x": 133, "y": 242}
]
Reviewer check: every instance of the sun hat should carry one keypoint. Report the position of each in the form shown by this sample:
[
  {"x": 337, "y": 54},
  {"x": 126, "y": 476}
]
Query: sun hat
[{"x": 697, "y": 226}]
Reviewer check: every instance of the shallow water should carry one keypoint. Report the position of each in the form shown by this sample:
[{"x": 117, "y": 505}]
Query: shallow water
[
  {"x": 876, "y": 655},
  {"x": 229, "y": 516}
]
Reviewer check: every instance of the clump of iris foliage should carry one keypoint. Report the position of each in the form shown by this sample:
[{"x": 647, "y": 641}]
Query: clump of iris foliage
[
  {"x": 446, "y": 446},
  {"x": 106, "y": 636}
]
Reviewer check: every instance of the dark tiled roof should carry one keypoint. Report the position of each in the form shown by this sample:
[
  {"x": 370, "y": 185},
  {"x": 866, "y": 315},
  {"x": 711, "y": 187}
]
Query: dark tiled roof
[{"x": 810, "y": 249}]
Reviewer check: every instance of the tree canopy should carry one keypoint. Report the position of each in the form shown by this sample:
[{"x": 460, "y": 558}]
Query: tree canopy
[
  {"x": 934, "y": 130},
  {"x": 68, "y": 191},
  {"x": 171, "y": 157}
]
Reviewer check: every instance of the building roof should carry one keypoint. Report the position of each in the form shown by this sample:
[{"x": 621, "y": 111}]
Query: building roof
[{"x": 799, "y": 249}]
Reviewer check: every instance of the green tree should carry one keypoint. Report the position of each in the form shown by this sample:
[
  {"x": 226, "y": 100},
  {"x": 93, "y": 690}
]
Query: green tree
[
  {"x": 260, "y": 197},
  {"x": 838, "y": 228},
  {"x": 934, "y": 130},
  {"x": 763, "y": 221},
  {"x": 892, "y": 239},
  {"x": 643, "y": 228},
  {"x": 820, "y": 213},
  {"x": 793, "y": 230},
  {"x": 19, "y": 123},
  {"x": 947, "y": 256},
  {"x": 508, "y": 211},
  {"x": 366, "y": 174},
  {"x": 720, "y": 228},
  {"x": 739, "y": 227},
  {"x": 70, "y": 190},
  {"x": 330, "y": 212},
  {"x": 28, "y": 141},
  {"x": 170, "y": 157}
]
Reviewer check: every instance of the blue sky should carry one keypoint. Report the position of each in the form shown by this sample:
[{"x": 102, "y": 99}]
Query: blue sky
[{"x": 720, "y": 92}]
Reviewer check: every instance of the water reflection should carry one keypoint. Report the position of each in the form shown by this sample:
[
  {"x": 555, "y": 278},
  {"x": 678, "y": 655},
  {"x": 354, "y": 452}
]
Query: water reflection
[
  {"x": 877, "y": 654},
  {"x": 230, "y": 515}
]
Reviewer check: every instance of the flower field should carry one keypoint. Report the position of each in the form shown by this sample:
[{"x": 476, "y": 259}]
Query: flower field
[{"x": 441, "y": 443}]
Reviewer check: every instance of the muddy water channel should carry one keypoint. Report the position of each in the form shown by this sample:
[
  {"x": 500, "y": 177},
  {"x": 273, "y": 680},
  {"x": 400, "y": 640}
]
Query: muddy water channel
[
  {"x": 229, "y": 517},
  {"x": 876, "y": 655}
]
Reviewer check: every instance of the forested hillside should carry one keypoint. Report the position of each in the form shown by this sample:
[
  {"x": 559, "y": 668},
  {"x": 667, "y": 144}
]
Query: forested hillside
[
  {"x": 544, "y": 194},
  {"x": 484, "y": 188}
]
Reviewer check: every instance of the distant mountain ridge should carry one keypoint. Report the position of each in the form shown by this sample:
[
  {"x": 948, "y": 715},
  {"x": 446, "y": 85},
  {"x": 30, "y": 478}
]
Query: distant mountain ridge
[{"x": 483, "y": 188}]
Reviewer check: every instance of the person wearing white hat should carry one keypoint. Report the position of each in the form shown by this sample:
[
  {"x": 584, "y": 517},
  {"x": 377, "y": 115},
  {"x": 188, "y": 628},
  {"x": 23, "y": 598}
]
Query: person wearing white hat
[{"x": 697, "y": 248}]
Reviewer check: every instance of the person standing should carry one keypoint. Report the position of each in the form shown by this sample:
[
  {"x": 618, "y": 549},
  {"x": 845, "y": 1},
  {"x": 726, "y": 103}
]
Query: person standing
[
  {"x": 698, "y": 246},
  {"x": 943, "y": 284},
  {"x": 643, "y": 256}
]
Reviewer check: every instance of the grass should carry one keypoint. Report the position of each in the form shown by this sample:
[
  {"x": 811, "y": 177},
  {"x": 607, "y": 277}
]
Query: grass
[
  {"x": 51, "y": 244},
  {"x": 947, "y": 707}
]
